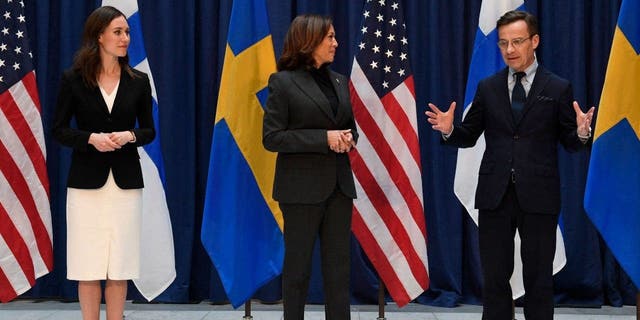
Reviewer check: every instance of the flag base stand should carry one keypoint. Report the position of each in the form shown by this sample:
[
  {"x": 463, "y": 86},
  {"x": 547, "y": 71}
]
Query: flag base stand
[
  {"x": 247, "y": 310},
  {"x": 381, "y": 301}
]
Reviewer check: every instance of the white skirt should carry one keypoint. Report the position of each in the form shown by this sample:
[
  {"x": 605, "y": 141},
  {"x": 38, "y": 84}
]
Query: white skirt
[{"x": 103, "y": 232}]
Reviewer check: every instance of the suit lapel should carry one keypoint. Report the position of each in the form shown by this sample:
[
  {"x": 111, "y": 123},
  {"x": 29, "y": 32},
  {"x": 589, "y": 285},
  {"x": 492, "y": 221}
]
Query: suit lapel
[
  {"x": 97, "y": 94},
  {"x": 305, "y": 82},
  {"x": 124, "y": 78},
  {"x": 341, "y": 91},
  {"x": 99, "y": 100},
  {"x": 502, "y": 92},
  {"x": 539, "y": 82}
]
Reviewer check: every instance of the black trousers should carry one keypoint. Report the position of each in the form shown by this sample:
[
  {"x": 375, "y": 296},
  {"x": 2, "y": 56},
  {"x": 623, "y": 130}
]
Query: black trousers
[
  {"x": 331, "y": 220},
  {"x": 538, "y": 234}
]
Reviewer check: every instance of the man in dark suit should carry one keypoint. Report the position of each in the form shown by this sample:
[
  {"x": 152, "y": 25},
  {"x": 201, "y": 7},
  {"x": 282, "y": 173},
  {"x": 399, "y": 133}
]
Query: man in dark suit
[{"x": 524, "y": 111}]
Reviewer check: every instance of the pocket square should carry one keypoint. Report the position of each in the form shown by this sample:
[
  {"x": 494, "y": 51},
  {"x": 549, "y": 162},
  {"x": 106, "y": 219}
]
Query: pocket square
[{"x": 545, "y": 99}]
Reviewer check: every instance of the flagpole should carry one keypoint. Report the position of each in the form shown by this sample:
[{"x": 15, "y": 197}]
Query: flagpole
[
  {"x": 638, "y": 306},
  {"x": 381, "y": 300},
  {"x": 247, "y": 310}
]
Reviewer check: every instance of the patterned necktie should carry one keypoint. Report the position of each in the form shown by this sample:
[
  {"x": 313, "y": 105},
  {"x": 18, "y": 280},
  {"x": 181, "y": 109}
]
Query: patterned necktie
[{"x": 518, "y": 97}]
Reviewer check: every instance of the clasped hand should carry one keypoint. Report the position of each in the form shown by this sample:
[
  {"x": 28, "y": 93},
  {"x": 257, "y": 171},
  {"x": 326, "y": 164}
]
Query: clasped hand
[
  {"x": 105, "y": 142},
  {"x": 340, "y": 141}
]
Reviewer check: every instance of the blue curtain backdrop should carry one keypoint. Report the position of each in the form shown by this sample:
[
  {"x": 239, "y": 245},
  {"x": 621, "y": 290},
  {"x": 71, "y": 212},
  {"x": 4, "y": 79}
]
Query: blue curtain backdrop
[{"x": 185, "y": 42}]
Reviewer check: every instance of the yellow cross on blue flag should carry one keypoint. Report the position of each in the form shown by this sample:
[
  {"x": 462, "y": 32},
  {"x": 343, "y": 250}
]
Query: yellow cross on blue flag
[
  {"x": 242, "y": 224},
  {"x": 612, "y": 195}
]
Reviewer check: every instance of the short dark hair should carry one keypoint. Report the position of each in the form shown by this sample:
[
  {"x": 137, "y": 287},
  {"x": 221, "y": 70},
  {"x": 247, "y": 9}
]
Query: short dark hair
[
  {"x": 305, "y": 33},
  {"x": 515, "y": 15},
  {"x": 87, "y": 59}
]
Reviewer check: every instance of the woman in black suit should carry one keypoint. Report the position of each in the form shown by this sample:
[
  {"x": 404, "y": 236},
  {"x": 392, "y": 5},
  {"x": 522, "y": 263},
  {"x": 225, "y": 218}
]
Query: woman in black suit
[
  {"x": 309, "y": 122},
  {"x": 104, "y": 196}
]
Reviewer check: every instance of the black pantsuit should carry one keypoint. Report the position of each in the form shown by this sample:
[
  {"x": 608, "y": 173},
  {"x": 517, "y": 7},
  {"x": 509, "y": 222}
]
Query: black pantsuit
[
  {"x": 313, "y": 185},
  {"x": 331, "y": 220}
]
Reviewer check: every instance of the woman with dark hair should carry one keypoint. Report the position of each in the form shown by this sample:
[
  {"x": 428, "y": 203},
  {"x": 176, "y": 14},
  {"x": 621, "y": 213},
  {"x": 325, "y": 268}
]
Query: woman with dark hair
[
  {"x": 104, "y": 195},
  {"x": 309, "y": 122}
]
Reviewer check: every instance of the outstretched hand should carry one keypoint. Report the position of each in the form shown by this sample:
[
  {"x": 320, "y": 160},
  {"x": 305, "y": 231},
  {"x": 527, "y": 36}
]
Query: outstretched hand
[
  {"x": 583, "y": 120},
  {"x": 441, "y": 121}
]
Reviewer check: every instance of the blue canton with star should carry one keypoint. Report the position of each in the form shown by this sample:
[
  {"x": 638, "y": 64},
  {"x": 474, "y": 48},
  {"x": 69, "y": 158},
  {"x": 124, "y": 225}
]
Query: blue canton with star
[
  {"x": 15, "y": 54},
  {"x": 383, "y": 49}
]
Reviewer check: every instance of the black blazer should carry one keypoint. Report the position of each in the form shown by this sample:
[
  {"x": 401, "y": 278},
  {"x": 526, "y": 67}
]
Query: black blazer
[
  {"x": 297, "y": 117},
  {"x": 89, "y": 167},
  {"x": 529, "y": 147}
]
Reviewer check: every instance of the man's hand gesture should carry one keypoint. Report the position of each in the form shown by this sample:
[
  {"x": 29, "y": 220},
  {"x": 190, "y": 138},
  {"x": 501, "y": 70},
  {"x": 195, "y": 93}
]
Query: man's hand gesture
[{"x": 441, "y": 121}]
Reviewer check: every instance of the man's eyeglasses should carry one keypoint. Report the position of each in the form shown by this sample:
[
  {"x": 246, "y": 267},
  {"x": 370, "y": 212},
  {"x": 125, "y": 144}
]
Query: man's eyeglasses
[{"x": 516, "y": 43}]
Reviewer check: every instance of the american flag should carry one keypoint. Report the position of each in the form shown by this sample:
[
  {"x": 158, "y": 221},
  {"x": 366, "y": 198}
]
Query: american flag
[
  {"x": 388, "y": 216},
  {"x": 25, "y": 217}
]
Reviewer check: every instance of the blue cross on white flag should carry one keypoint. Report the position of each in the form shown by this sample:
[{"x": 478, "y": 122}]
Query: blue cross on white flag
[
  {"x": 157, "y": 261},
  {"x": 485, "y": 61}
]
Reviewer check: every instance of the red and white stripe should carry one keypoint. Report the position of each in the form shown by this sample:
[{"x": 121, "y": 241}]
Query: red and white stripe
[
  {"x": 388, "y": 215},
  {"x": 25, "y": 215}
]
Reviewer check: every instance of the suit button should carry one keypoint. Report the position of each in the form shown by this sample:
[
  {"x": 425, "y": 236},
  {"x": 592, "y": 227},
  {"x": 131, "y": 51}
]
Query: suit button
[
  {"x": 109, "y": 119},
  {"x": 516, "y": 137}
]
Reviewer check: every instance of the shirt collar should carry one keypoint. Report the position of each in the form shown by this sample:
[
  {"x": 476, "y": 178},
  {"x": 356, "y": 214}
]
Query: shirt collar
[{"x": 530, "y": 71}]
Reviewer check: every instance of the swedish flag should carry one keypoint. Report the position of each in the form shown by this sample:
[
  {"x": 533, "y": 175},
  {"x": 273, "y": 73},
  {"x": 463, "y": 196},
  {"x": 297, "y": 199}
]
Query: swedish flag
[
  {"x": 242, "y": 224},
  {"x": 612, "y": 196}
]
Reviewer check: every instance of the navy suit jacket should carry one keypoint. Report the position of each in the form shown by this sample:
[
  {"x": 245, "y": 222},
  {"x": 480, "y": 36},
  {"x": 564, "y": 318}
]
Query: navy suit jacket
[
  {"x": 529, "y": 147},
  {"x": 297, "y": 117},
  {"x": 90, "y": 167}
]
